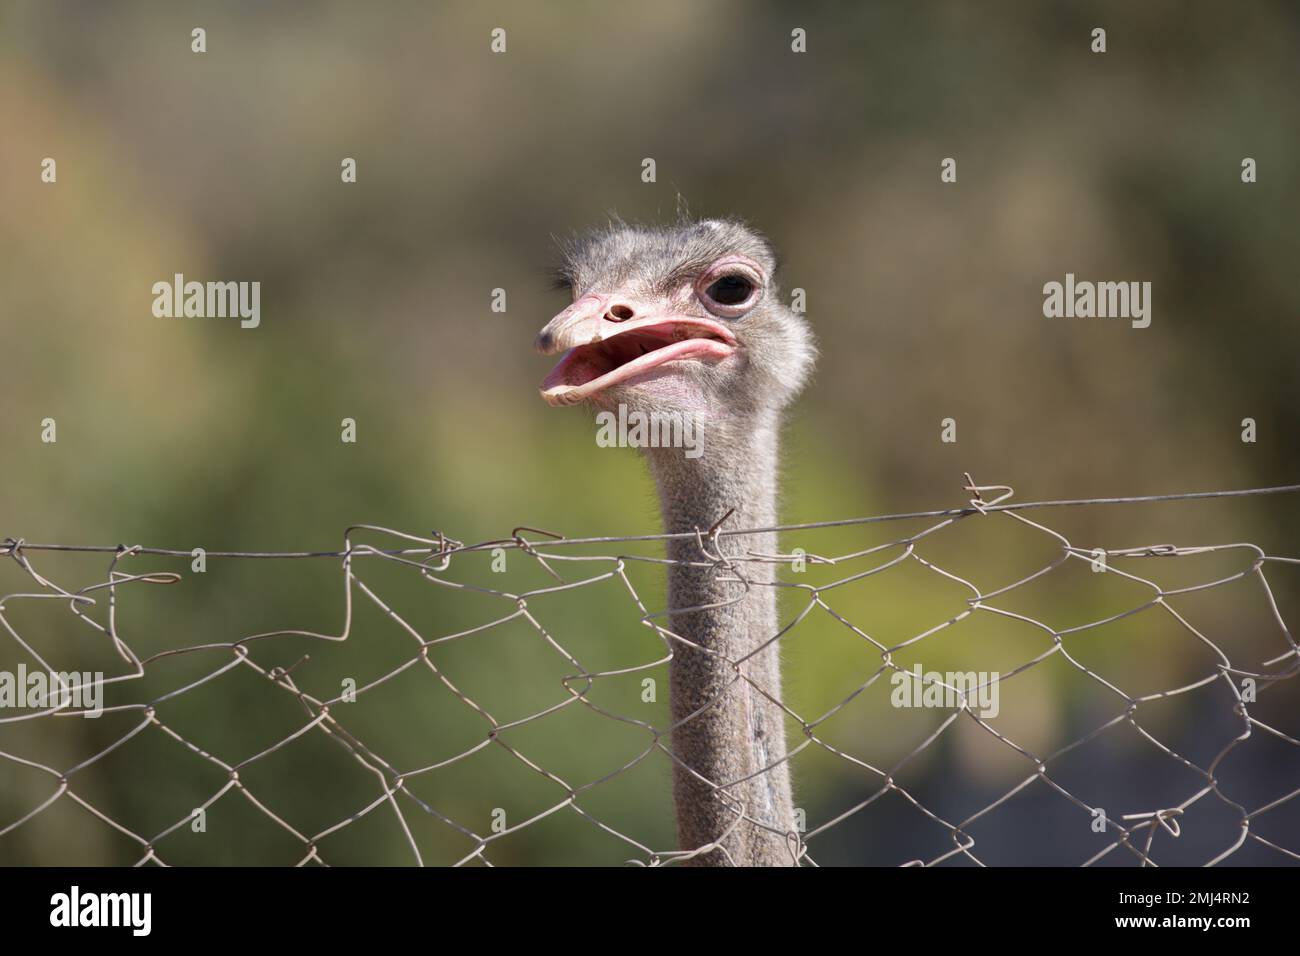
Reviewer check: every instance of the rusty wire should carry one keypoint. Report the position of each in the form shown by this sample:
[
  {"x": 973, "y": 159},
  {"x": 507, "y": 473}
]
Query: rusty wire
[{"x": 430, "y": 556}]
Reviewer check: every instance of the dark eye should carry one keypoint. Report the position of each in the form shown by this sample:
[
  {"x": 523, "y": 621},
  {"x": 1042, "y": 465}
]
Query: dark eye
[
  {"x": 730, "y": 290},
  {"x": 730, "y": 287}
]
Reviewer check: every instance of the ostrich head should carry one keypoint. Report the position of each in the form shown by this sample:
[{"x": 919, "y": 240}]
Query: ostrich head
[{"x": 682, "y": 318}]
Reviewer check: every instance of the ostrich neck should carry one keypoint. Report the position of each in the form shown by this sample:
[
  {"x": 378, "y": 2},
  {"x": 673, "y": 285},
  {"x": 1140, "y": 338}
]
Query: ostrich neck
[
  {"x": 738, "y": 471},
  {"x": 729, "y": 738}
]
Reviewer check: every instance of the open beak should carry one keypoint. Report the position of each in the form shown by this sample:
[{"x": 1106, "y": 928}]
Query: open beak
[{"x": 611, "y": 340}]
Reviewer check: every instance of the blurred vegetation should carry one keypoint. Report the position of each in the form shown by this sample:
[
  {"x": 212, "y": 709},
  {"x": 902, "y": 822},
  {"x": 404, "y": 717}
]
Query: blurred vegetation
[{"x": 926, "y": 299}]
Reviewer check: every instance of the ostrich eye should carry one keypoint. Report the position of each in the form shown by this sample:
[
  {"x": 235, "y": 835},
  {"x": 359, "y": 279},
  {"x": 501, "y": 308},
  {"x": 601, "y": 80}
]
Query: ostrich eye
[
  {"x": 730, "y": 287},
  {"x": 730, "y": 290}
]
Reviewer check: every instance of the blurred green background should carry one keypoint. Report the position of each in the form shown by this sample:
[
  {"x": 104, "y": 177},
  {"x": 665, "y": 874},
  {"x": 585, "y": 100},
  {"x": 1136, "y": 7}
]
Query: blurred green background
[{"x": 926, "y": 299}]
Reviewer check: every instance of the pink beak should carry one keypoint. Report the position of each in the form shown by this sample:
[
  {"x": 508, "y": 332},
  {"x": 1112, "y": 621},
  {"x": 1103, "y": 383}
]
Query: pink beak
[{"x": 608, "y": 340}]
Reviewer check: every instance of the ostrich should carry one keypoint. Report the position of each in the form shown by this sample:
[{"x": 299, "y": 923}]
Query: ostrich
[{"x": 686, "y": 320}]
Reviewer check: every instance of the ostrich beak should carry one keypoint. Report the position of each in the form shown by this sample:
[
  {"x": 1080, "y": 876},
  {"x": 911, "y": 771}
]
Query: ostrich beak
[{"x": 609, "y": 340}]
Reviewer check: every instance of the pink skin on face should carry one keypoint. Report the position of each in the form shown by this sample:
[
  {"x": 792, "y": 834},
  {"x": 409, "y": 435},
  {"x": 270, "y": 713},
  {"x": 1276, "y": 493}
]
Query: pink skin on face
[{"x": 621, "y": 339}]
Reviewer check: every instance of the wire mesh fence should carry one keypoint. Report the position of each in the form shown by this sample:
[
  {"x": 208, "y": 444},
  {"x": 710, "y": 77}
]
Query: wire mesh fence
[{"x": 898, "y": 698}]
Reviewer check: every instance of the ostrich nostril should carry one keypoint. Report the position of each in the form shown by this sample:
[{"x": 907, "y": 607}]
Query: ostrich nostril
[{"x": 619, "y": 313}]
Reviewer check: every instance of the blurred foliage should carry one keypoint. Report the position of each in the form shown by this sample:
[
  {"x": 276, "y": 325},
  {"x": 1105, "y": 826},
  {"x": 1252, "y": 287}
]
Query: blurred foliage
[{"x": 926, "y": 299}]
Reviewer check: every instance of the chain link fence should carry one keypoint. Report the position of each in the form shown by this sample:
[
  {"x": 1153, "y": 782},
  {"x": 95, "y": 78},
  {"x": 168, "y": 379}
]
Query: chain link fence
[{"x": 891, "y": 741}]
